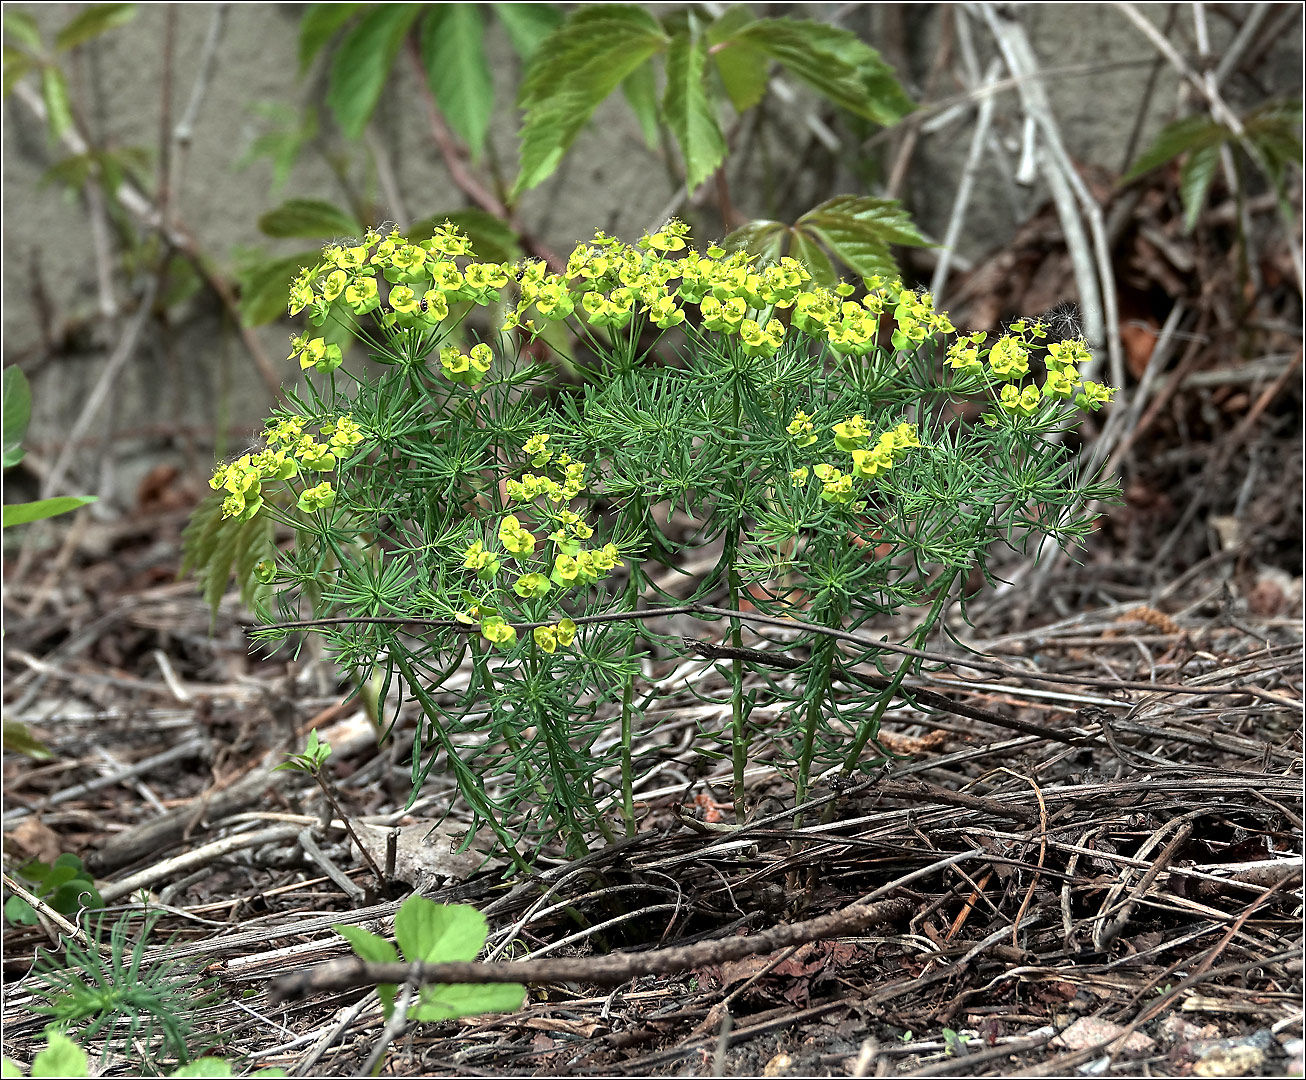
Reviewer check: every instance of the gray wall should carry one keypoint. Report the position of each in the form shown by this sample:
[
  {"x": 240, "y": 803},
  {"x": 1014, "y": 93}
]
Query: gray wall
[{"x": 198, "y": 374}]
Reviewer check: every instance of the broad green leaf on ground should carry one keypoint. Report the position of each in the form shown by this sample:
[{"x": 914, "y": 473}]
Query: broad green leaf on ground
[
  {"x": 741, "y": 67},
  {"x": 641, "y": 90},
  {"x": 362, "y": 62},
  {"x": 574, "y": 70},
  {"x": 319, "y": 25},
  {"x": 17, "y": 409},
  {"x": 375, "y": 950},
  {"x": 453, "y": 54},
  {"x": 312, "y": 218},
  {"x": 23, "y": 513},
  {"x": 61, "y": 1057},
  {"x": 438, "y": 933},
  {"x": 445, "y": 1002},
  {"x": 492, "y": 239},
  {"x": 18, "y": 739},
  {"x": 835, "y": 63},
  {"x": 528, "y": 25},
  {"x": 687, "y": 111},
  {"x": 93, "y": 22}
]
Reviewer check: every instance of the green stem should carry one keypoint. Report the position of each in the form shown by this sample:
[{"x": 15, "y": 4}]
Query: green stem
[
  {"x": 738, "y": 718},
  {"x": 817, "y": 692}
]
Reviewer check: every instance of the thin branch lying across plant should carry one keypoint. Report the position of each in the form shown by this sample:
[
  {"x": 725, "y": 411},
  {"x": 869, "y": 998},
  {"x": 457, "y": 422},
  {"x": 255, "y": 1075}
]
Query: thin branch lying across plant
[{"x": 863, "y": 640}]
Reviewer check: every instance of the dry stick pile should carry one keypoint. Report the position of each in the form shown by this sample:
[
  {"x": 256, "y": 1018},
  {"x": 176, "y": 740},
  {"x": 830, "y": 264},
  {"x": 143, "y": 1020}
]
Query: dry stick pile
[{"x": 1046, "y": 853}]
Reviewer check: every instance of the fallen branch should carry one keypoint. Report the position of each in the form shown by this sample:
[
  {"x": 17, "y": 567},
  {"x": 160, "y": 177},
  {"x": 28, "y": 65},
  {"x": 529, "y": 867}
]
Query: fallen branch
[{"x": 351, "y": 972}]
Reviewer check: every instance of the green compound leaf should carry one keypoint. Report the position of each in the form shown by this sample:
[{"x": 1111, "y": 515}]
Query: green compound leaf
[
  {"x": 765, "y": 239},
  {"x": 1195, "y": 181},
  {"x": 438, "y": 933},
  {"x": 528, "y": 25},
  {"x": 687, "y": 111},
  {"x": 453, "y": 54},
  {"x": 23, "y": 29},
  {"x": 318, "y": 26},
  {"x": 17, "y": 409},
  {"x": 641, "y": 90},
  {"x": 312, "y": 218},
  {"x": 808, "y": 252},
  {"x": 93, "y": 22},
  {"x": 1190, "y": 133},
  {"x": 741, "y": 67},
  {"x": 215, "y": 547},
  {"x": 835, "y": 63},
  {"x": 576, "y": 68},
  {"x": 16, "y": 64},
  {"x": 446, "y": 1002},
  {"x": 491, "y": 238},
  {"x": 61, "y": 1057},
  {"x": 23, "y": 513},
  {"x": 58, "y": 111},
  {"x": 363, "y": 60},
  {"x": 859, "y": 229},
  {"x": 264, "y": 284}
]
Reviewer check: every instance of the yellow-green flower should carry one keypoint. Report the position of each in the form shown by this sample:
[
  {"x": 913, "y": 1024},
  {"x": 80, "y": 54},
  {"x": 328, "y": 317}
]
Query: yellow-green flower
[
  {"x": 361, "y": 295},
  {"x": 531, "y": 585},
  {"x": 1024, "y": 401},
  {"x": 485, "y": 563},
  {"x": 317, "y": 498},
  {"x": 314, "y": 455},
  {"x": 1094, "y": 396},
  {"x": 798, "y": 477},
  {"x": 852, "y": 433},
  {"x": 870, "y": 463},
  {"x": 1009, "y": 359},
  {"x": 801, "y": 429},
  {"x": 496, "y": 631},
  {"x": 517, "y": 540}
]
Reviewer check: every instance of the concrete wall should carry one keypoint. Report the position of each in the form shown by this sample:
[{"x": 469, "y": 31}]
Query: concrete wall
[{"x": 197, "y": 372}]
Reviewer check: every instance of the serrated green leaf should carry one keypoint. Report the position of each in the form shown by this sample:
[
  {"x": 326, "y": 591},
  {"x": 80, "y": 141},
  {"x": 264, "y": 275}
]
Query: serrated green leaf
[
  {"x": 579, "y": 65},
  {"x": 764, "y": 239},
  {"x": 23, "y": 29},
  {"x": 16, "y": 64},
  {"x": 312, "y": 218},
  {"x": 687, "y": 112},
  {"x": 528, "y": 25},
  {"x": 835, "y": 63},
  {"x": 362, "y": 61},
  {"x": 18, "y": 739},
  {"x": 492, "y": 239},
  {"x": 808, "y": 252},
  {"x": 858, "y": 231},
  {"x": 319, "y": 25},
  {"x": 58, "y": 111},
  {"x": 282, "y": 144},
  {"x": 741, "y": 67},
  {"x": 16, "y": 403},
  {"x": 71, "y": 172},
  {"x": 211, "y": 543},
  {"x": 24, "y": 513},
  {"x": 1190, "y": 133},
  {"x": 61, "y": 1057},
  {"x": 93, "y": 22},
  {"x": 641, "y": 90},
  {"x": 438, "y": 933},
  {"x": 265, "y": 285},
  {"x": 453, "y": 54},
  {"x": 448, "y": 1002},
  {"x": 1195, "y": 181}
]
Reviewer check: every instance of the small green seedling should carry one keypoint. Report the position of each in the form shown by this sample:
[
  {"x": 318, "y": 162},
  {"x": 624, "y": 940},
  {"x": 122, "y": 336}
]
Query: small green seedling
[
  {"x": 65, "y": 886},
  {"x": 955, "y": 1043},
  {"x": 17, "y": 414},
  {"x": 435, "y": 934},
  {"x": 63, "y": 1057},
  {"x": 316, "y": 751}
]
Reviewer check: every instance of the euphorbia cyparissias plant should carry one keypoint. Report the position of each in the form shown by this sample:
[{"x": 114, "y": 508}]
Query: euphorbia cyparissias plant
[{"x": 489, "y": 539}]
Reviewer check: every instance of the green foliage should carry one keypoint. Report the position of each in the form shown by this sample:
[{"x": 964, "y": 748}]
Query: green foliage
[
  {"x": 215, "y": 548},
  {"x": 434, "y": 933},
  {"x": 17, "y": 414},
  {"x": 813, "y": 434},
  {"x": 1271, "y": 138},
  {"x": 65, "y": 885},
  {"x": 453, "y": 54},
  {"x": 312, "y": 218},
  {"x": 362, "y": 61},
  {"x": 311, "y": 760},
  {"x": 857, "y": 230},
  {"x": 18, "y": 739},
  {"x": 115, "y": 992},
  {"x": 63, "y": 1057}
]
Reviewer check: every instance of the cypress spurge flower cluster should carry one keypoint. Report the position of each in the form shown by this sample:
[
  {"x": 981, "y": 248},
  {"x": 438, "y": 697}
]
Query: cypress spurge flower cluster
[{"x": 811, "y": 436}]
